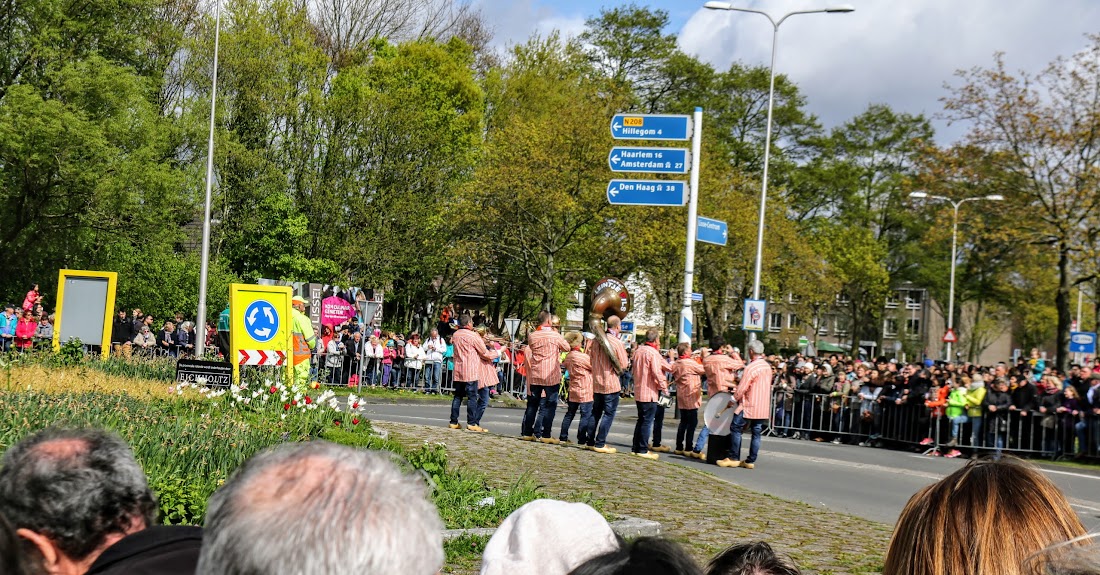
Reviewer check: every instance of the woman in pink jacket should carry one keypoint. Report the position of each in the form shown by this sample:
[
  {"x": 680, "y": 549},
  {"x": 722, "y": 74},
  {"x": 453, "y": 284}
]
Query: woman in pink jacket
[{"x": 24, "y": 331}]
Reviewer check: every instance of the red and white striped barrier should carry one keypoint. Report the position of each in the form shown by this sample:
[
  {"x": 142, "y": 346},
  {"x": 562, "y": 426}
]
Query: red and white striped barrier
[{"x": 260, "y": 357}]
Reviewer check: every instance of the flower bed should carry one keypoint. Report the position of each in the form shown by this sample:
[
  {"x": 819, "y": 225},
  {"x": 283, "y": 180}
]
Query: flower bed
[{"x": 189, "y": 439}]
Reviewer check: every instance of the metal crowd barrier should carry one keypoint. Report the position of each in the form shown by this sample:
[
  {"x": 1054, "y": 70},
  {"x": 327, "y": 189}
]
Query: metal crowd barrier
[
  {"x": 887, "y": 424},
  {"x": 397, "y": 375}
]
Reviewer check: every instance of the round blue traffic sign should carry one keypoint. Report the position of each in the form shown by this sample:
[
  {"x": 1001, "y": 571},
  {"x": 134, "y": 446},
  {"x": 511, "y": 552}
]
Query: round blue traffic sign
[{"x": 261, "y": 320}]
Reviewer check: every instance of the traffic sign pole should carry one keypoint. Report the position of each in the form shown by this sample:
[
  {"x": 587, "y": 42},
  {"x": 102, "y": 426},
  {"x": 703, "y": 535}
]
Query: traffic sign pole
[{"x": 686, "y": 317}]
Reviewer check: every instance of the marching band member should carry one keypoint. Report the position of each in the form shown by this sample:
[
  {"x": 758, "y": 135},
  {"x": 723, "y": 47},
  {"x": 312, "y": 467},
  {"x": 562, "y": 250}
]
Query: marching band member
[
  {"x": 650, "y": 383},
  {"x": 689, "y": 396},
  {"x": 579, "y": 366},
  {"x": 469, "y": 353},
  {"x": 543, "y": 350},
  {"x": 605, "y": 386},
  {"x": 719, "y": 368}
]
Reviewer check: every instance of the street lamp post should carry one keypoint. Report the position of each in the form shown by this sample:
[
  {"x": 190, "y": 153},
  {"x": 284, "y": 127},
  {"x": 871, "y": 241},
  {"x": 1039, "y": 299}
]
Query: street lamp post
[
  {"x": 841, "y": 9},
  {"x": 204, "y": 266},
  {"x": 954, "y": 247}
]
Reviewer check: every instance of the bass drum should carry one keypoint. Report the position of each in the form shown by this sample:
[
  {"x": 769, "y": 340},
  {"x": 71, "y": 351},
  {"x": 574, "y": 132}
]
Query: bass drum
[{"x": 718, "y": 413}]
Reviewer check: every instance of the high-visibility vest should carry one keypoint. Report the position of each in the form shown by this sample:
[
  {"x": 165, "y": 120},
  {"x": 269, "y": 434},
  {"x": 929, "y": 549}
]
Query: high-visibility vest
[{"x": 302, "y": 331}]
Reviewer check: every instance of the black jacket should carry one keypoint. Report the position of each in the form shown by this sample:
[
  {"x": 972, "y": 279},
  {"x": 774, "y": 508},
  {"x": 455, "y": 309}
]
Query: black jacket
[
  {"x": 1025, "y": 397},
  {"x": 122, "y": 331},
  {"x": 1000, "y": 400},
  {"x": 158, "y": 550}
]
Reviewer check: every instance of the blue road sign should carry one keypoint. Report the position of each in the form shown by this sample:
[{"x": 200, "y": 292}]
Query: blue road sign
[
  {"x": 1082, "y": 342},
  {"x": 651, "y": 127},
  {"x": 627, "y": 326},
  {"x": 686, "y": 326},
  {"x": 647, "y": 193},
  {"x": 711, "y": 231},
  {"x": 696, "y": 296},
  {"x": 649, "y": 160},
  {"x": 261, "y": 320}
]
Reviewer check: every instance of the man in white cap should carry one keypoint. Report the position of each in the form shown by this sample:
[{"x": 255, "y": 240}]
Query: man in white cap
[
  {"x": 519, "y": 546},
  {"x": 304, "y": 340}
]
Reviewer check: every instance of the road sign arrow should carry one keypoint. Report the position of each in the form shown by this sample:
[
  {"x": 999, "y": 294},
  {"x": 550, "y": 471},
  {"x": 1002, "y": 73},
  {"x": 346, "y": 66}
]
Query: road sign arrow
[
  {"x": 613, "y": 191},
  {"x": 615, "y": 159},
  {"x": 270, "y": 315},
  {"x": 616, "y": 126},
  {"x": 252, "y": 316},
  {"x": 263, "y": 331}
]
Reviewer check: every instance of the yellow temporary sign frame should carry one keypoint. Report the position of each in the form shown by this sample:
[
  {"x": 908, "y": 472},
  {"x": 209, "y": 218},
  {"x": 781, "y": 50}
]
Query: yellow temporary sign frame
[
  {"x": 108, "y": 312},
  {"x": 243, "y": 295}
]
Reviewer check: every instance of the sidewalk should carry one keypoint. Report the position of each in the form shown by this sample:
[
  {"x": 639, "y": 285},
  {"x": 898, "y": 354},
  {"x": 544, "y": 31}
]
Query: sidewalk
[{"x": 703, "y": 512}]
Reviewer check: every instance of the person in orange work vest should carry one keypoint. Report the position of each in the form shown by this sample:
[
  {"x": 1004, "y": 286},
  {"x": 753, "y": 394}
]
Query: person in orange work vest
[{"x": 304, "y": 341}]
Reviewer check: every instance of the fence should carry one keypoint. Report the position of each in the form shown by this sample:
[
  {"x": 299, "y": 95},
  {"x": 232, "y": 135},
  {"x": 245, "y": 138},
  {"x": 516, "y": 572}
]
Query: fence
[
  {"x": 430, "y": 377},
  {"x": 887, "y": 424}
]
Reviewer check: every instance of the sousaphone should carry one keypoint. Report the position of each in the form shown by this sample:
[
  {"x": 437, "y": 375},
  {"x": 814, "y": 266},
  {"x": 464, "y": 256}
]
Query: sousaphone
[{"x": 609, "y": 298}]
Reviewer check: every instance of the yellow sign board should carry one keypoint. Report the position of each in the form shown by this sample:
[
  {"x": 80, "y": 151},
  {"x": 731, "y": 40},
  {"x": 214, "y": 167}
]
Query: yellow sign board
[
  {"x": 89, "y": 298},
  {"x": 634, "y": 122},
  {"x": 260, "y": 326}
]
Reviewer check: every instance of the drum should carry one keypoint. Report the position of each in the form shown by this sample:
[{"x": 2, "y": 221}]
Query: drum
[{"x": 718, "y": 413}]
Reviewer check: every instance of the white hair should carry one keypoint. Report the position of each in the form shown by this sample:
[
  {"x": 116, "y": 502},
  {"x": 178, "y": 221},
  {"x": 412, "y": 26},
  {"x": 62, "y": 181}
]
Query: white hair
[
  {"x": 318, "y": 508},
  {"x": 756, "y": 347}
]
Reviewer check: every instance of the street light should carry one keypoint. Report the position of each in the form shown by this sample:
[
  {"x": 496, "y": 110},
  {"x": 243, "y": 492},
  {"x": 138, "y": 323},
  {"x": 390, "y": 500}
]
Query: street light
[
  {"x": 954, "y": 249},
  {"x": 204, "y": 266},
  {"x": 839, "y": 9}
]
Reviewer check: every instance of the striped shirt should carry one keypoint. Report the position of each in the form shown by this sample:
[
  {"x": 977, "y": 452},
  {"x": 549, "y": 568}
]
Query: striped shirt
[
  {"x": 755, "y": 390},
  {"x": 720, "y": 368},
  {"x": 469, "y": 352},
  {"x": 580, "y": 376},
  {"x": 604, "y": 378},
  {"x": 649, "y": 374},
  {"x": 689, "y": 390},
  {"x": 543, "y": 351},
  {"x": 488, "y": 373}
]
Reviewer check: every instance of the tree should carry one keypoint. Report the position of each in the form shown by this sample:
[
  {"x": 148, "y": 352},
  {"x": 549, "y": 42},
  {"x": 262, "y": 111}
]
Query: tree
[
  {"x": 1045, "y": 129},
  {"x": 857, "y": 263}
]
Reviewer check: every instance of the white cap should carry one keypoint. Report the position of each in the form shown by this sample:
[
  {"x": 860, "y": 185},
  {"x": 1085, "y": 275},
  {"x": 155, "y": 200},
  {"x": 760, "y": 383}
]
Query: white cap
[{"x": 547, "y": 537}]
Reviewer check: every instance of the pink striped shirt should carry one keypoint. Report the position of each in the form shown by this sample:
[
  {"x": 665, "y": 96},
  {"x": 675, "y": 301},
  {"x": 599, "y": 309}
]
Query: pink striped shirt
[
  {"x": 719, "y": 369},
  {"x": 649, "y": 374},
  {"x": 754, "y": 393},
  {"x": 689, "y": 390},
  {"x": 580, "y": 376},
  {"x": 488, "y": 374},
  {"x": 469, "y": 352},
  {"x": 544, "y": 348},
  {"x": 604, "y": 378}
]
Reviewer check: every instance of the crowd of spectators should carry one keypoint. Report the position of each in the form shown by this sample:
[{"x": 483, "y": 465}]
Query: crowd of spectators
[
  {"x": 75, "y": 501},
  {"x": 22, "y": 327}
]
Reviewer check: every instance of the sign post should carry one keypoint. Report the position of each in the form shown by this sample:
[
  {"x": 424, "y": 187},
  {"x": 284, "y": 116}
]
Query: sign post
[
  {"x": 260, "y": 327},
  {"x": 712, "y": 231},
  {"x": 85, "y": 307},
  {"x": 950, "y": 337},
  {"x": 686, "y": 317}
]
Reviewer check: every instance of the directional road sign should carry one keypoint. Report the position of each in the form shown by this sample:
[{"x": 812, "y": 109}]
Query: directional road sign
[
  {"x": 647, "y": 193},
  {"x": 649, "y": 160},
  {"x": 696, "y": 296},
  {"x": 261, "y": 320},
  {"x": 1082, "y": 342},
  {"x": 711, "y": 231},
  {"x": 627, "y": 326},
  {"x": 651, "y": 127}
]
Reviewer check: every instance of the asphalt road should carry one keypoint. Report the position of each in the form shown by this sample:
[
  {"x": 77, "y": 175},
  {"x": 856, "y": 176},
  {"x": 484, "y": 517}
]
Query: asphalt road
[{"x": 866, "y": 482}]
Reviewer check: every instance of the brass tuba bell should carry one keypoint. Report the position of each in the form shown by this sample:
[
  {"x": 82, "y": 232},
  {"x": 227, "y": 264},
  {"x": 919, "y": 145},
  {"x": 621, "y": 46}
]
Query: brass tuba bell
[{"x": 609, "y": 298}]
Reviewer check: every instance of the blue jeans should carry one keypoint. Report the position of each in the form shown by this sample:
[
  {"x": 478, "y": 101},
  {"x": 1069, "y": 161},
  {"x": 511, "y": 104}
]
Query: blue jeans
[
  {"x": 482, "y": 401},
  {"x": 473, "y": 413},
  {"x": 975, "y": 431},
  {"x": 431, "y": 376},
  {"x": 685, "y": 433},
  {"x": 956, "y": 425},
  {"x": 701, "y": 443},
  {"x": 647, "y": 410},
  {"x": 584, "y": 428},
  {"x": 604, "y": 407},
  {"x": 757, "y": 429},
  {"x": 538, "y": 418}
]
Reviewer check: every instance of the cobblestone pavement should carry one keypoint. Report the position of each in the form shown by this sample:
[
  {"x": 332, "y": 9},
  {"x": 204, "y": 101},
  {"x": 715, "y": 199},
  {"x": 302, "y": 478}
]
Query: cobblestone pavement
[{"x": 699, "y": 510}]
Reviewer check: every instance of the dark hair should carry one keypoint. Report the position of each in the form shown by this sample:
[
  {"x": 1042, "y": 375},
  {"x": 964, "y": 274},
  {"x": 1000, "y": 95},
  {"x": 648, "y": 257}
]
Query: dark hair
[
  {"x": 755, "y": 558},
  {"x": 465, "y": 320},
  {"x": 643, "y": 556},
  {"x": 717, "y": 342},
  {"x": 11, "y": 556},
  {"x": 544, "y": 317},
  {"x": 76, "y": 486}
]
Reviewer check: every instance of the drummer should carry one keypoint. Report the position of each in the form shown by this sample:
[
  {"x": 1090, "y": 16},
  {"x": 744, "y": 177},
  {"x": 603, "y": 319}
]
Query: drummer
[
  {"x": 720, "y": 368},
  {"x": 689, "y": 395}
]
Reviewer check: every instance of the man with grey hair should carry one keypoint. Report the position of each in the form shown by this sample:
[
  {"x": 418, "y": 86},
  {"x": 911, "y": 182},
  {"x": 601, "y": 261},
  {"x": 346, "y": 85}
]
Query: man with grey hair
[
  {"x": 80, "y": 503},
  {"x": 754, "y": 395},
  {"x": 332, "y": 510}
]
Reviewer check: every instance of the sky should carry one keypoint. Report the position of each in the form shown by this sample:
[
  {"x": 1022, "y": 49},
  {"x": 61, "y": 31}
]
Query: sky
[{"x": 895, "y": 52}]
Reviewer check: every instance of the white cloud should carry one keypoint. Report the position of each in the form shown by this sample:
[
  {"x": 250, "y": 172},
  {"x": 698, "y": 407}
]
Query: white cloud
[
  {"x": 514, "y": 21},
  {"x": 897, "y": 52}
]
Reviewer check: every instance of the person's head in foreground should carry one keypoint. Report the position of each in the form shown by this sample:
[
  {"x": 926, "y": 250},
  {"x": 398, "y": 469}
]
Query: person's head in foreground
[
  {"x": 519, "y": 546},
  {"x": 11, "y": 556},
  {"x": 1078, "y": 556},
  {"x": 984, "y": 519},
  {"x": 72, "y": 493},
  {"x": 643, "y": 556},
  {"x": 318, "y": 508},
  {"x": 755, "y": 558}
]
